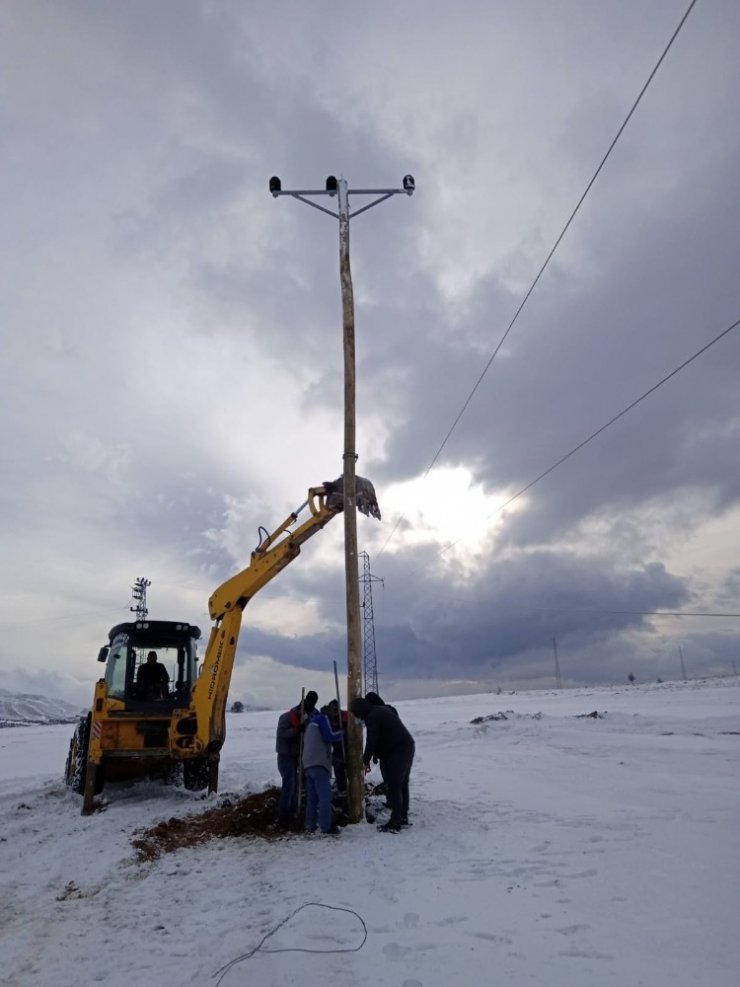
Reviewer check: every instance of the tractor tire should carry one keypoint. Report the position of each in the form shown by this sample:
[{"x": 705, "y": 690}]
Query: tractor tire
[
  {"x": 76, "y": 768},
  {"x": 196, "y": 773}
]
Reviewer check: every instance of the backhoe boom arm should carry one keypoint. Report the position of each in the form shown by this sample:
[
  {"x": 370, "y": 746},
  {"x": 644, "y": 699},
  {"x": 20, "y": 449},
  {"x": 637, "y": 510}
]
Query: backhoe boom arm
[{"x": 274, "y": 552}]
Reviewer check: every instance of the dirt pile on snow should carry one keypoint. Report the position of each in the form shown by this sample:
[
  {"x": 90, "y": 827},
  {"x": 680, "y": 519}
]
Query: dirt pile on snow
[{"x": 253, "y": 815}]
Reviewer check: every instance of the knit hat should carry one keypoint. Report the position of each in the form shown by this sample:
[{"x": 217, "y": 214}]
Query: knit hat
[
  {"x": 374, "y": 698},
  {"x": 310, "y": 700},
  {"x": 360, "y": 708}
]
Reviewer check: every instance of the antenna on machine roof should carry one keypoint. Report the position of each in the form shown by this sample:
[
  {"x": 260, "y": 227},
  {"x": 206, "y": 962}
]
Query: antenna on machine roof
[{"x": 138, "y": 598}]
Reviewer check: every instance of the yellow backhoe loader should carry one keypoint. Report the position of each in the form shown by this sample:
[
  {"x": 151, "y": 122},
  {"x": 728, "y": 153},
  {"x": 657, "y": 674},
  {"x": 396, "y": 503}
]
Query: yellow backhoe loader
[{"x": 145, "y": 725}]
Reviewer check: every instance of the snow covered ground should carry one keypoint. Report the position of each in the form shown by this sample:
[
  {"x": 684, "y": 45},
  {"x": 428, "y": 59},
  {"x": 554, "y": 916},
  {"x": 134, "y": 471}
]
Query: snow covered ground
[{"x": 546, "y": 848}]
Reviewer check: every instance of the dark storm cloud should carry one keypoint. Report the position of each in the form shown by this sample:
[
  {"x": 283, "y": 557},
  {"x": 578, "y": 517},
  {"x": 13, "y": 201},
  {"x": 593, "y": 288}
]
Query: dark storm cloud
[
  {"x": 430, "y": 627},
  {"x": 728, "y": 591},
  {"x": 576, "y": 357}
]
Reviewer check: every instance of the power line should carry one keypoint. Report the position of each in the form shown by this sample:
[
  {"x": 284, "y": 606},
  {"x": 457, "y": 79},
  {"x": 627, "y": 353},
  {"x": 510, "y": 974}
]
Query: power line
[
  {"x": 547, "y": 259},
  {"x": 451, "y": 597},
  {"x": 659, "y": 613},
  {"x": 603, "y": 428},
  {"x": 588, "y": 610}
]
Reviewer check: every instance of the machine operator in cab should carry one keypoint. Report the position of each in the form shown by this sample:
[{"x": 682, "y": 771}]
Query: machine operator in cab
[{"x": 152, "y": 680}]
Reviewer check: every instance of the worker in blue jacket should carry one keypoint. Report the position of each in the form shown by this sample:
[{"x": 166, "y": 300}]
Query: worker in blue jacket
[
  {"x": 288, "y": 746},
  {"x": 318, "y": 740}
]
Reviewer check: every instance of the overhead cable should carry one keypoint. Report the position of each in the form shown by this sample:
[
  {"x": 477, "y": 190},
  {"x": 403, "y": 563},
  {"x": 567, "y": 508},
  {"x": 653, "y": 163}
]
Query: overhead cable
[
  {"x": 604, "y": 427},
  {"x": 547, "y": 261}
]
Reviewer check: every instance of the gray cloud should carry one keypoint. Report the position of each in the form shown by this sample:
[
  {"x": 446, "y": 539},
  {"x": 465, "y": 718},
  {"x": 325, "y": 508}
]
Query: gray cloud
[{"x": 172, "y": 366}]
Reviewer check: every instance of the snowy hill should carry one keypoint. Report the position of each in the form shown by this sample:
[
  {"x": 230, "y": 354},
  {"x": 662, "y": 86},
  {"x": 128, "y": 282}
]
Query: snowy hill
[{"x": 19, "y": 709}]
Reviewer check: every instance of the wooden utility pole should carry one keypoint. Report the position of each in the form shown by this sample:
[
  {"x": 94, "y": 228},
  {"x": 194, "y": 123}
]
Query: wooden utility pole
[
  {"x": 351, "y": 568},
  {"x": 338, "y": 187}
]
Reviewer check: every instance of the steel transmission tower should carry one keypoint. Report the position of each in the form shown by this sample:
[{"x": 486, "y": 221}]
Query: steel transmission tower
[
  {"x": 138, "y": 598},
  {"x": 369, "y": 659}
]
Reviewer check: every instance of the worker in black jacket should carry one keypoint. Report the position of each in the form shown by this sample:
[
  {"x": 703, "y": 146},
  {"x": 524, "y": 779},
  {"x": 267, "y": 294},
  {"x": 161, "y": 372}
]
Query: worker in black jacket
[
  {"x": 388, "y": 740},
  {"x": 374, "y": 698}
]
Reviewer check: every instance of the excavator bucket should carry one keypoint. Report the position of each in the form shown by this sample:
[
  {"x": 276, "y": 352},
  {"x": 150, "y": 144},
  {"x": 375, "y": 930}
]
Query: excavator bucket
[{"x": 367, "y": 502}]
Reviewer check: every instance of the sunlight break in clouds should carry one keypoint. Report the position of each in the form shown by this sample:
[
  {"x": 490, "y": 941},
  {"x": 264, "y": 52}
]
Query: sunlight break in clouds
[{"x": 446, "y": 509}]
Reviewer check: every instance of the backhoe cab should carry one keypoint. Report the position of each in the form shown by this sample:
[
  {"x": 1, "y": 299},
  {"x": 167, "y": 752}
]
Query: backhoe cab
[
  {"x": 155, "y": 713},
  {"x": 127, "y": 733}
]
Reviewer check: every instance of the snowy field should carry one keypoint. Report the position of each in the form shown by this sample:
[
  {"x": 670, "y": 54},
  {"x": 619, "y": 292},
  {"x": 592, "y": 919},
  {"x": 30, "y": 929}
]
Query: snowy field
[{"x": 547, "y": 848}]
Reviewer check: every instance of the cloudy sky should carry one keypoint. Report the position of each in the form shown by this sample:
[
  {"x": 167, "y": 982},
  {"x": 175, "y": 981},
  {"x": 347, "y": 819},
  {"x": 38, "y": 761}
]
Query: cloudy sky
[{"x": 171, "y": 372}]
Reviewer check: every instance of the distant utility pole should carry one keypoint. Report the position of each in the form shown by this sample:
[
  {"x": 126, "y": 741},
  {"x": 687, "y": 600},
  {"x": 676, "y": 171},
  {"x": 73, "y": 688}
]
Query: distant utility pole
[
  {"x": 683, "y": 666},
  {"x": 558, "y": 682},
  {"x": 369, "y": 658},
  {"x": 338, "y": 188},
  {"x": 138, "y": 598}
]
